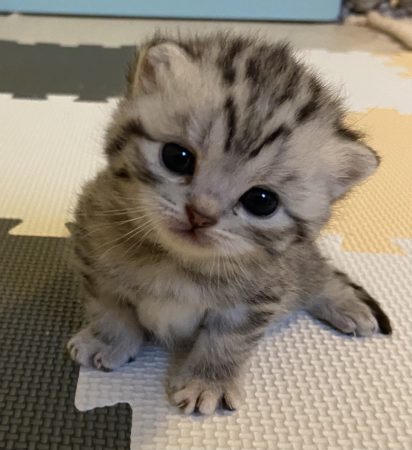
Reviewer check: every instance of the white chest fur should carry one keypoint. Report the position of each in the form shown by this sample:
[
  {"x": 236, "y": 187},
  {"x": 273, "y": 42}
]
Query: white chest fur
[
  {"x": 169, "y": 319},
  {"x": 168, "y": 302}
]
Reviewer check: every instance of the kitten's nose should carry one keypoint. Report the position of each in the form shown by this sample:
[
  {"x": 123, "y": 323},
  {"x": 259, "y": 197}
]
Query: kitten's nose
[{"x": 199, "y": 219}]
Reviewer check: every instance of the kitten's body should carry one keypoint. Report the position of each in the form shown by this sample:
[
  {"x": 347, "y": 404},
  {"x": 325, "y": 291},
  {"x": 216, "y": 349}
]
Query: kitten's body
[{"x": 253, "y": 117}]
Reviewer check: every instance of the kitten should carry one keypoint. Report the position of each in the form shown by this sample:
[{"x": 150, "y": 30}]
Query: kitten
[{"x": 224, "y": 158}]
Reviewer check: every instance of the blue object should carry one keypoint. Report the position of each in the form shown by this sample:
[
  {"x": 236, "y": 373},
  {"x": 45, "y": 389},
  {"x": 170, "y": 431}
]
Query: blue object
[{"x": 293, "y": 10}]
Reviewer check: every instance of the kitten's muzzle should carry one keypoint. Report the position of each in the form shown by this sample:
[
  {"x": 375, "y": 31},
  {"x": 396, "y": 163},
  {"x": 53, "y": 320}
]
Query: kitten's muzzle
[{"x": 198, "y": 218}]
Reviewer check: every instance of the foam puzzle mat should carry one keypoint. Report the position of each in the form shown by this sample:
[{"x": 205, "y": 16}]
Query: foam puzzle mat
[{"x": 308, "y": 387}]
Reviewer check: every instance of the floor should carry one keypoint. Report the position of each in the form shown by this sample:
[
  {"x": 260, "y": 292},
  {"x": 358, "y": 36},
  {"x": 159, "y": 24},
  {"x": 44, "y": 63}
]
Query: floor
[
  {"x": 307, "y": 388},
  {"x": 72, "y": 31}
]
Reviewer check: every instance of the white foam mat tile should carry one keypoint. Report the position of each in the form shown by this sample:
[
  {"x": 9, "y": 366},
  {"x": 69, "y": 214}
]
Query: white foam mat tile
[
  {"x": 48, "y": 149},
  {"x": 366, "y": 81},
  {"x": 308, "y": 387}
]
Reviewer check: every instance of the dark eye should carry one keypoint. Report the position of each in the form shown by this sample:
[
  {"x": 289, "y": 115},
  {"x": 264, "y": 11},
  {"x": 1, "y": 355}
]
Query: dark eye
[
  {"x": 259, "y": 202},
  {"x": 178, "y": 159}
]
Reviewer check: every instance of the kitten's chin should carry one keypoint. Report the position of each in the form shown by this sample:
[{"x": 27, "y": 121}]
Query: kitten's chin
[{"x": 188, "y": 243}]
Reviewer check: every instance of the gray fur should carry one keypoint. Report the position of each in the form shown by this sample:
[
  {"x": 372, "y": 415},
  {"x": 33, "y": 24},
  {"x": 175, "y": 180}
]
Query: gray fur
[{"x": 253, "y": 116}]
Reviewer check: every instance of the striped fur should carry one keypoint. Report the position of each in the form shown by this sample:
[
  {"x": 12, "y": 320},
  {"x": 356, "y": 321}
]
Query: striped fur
[{"x": 253, "y": 116}]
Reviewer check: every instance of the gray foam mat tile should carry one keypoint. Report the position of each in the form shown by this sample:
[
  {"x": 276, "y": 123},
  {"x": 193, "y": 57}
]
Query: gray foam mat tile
[
  {"x": 91, "y": 72},
  {"x": 39, "y": 310}
]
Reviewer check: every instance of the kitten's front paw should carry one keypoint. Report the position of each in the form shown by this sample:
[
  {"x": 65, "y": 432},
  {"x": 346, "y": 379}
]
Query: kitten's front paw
[
  {"x": 354, "y": 318},
  {"x": 88, "y": 350},
  {"x": 205, "y": 396},
  {"x": 354, "y": 311}
]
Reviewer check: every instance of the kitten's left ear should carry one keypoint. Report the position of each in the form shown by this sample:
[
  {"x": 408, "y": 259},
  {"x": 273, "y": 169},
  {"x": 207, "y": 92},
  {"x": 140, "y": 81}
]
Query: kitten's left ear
[
  {"x": 155, "y": 64},
  {"x": 354, "y": 162}
]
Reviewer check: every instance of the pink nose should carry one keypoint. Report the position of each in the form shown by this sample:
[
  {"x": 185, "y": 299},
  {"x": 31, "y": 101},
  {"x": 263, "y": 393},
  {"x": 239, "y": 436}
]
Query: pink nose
[{"x": 199, "y": 219}]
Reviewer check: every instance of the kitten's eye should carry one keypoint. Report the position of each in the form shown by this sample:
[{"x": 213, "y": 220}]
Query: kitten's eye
[
  {"x": 260, "y": 202},
  {"x": 178, "y": 159}
]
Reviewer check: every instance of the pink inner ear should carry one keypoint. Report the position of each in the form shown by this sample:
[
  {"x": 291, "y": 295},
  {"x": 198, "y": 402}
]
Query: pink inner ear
[
  {"x": 359, "y": 163},
  {"x": 159, "y": 61},
  {"x": 353, "y": 174},
  {"x": 147, "y": 73},
  {"x": 144, "y": 77}
]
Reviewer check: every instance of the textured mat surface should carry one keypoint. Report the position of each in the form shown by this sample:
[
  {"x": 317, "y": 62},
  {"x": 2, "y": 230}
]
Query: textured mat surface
[
  {"x": 39, "y": 310},
  {"x": 307, "y": 388}
]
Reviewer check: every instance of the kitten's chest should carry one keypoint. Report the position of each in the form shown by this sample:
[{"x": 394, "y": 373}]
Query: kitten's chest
[
  {"x": 168, "y": 302},
  {"x": 169, "y": 319}
]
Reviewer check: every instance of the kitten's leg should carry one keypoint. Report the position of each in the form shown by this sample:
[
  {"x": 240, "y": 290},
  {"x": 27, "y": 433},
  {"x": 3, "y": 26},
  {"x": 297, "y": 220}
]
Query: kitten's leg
[
  {"x": 348, "y": 307},
  {"x": 212, "y": 371},
  {"x": 113, "y": 335},
  {"x": 111, "y": 339}
]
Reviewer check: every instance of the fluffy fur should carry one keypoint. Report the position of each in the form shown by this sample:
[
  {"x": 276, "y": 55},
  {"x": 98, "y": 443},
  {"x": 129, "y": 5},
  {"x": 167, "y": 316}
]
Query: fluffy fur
[{"x": 253, "y": 116}]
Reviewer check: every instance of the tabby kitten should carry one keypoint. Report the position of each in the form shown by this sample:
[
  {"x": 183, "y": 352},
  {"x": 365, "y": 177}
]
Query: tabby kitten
[{"x": 224, "y": 157}]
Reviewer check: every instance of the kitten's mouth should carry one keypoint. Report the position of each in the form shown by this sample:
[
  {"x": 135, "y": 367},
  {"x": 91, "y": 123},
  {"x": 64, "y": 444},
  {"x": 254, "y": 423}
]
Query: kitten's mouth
[{"x": 192, "y": 235}]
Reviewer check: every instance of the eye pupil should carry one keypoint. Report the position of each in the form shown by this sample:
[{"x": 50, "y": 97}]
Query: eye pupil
[
  {"x": 260, "y": 202},
  {"x": 178, "y": 159}
]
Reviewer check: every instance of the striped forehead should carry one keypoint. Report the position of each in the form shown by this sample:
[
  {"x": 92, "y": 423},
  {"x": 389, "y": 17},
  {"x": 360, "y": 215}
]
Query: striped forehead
[{"x": 265, "y": 95}]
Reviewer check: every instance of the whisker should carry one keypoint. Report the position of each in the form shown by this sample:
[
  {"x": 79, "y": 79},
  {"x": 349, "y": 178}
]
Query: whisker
[
  {"x": 96, "y": 228},
  {"x": 212, "y": 266},
  {"x": 130, "y": 233},
  {"x": 120, "y": 212},
  {"x": 118, "y": 244},
  {"x": 235, "y": 263},
  {"x": 133, "y": 247},
  {"x": 218, "y": 271},
  {"x": 150, "y": 198}
]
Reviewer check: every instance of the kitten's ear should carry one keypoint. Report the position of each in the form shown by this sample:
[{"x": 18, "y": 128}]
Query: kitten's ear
[
  {"x": 154, "y": 65},
  {"x": 354, "y": 162}
]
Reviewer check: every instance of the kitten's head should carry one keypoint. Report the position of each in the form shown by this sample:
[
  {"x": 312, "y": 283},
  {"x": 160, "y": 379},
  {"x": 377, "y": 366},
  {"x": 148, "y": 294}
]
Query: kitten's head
[{"x": 230, "y": 145}]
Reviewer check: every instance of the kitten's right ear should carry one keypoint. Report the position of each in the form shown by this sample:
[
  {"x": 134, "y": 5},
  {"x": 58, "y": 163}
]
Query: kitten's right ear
[{"x": 154, "y": 65}]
